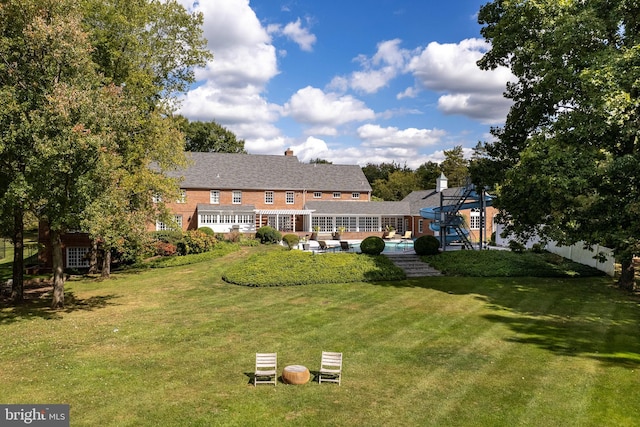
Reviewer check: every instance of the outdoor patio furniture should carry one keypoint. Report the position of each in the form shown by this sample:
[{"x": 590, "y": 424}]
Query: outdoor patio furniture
[
  {"x": 266, "y": 369},
  {"x": 330, "y": 367},
  {"x": 295, "y": 374},
  {"x": 407, "y": 235},
  {"x": 344, "y": 245}
]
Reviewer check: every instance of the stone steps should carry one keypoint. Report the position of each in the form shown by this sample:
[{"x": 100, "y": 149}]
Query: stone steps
[{"x": 412, "y": 265}]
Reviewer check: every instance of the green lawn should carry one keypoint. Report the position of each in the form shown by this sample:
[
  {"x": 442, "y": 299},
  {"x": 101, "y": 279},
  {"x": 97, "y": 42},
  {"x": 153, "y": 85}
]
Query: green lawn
[{"x": 176, "y": 346}]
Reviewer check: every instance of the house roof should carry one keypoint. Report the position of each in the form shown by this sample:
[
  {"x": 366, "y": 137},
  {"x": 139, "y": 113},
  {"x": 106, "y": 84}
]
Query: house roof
[
  {"x": 359, "y": 208},
  {"x": 427, "y": 198},
  {"x": 207, "y": 208},
  {"x": 268, "y": 172}
]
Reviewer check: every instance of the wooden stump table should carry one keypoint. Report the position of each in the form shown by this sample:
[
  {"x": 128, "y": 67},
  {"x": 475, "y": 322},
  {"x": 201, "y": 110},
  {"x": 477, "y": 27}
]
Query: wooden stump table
[{"x": 295, "y": 374}]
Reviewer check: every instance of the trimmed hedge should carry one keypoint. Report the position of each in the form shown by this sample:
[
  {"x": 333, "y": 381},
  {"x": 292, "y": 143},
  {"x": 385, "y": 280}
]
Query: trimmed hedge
[
  {"x": 268, "y": 235},
  {"x": 291, "y": 240},
  {"x": 427, "y": 245},
  {"x": 372, "y": 245},
  {"x": 291, "y": 268}
]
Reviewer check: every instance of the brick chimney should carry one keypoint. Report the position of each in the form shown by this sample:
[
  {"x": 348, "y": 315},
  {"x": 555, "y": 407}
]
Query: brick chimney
[{"x": 289, "y": 152}]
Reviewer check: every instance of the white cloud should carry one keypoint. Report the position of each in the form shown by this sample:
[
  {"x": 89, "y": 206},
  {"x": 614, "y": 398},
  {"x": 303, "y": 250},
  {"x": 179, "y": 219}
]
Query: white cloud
[
  {"x": 451, "y": 69},
  {"x": 294, "y": 31},
  {"x": 233, "y": 84},
  {"x": 310, "y": 149},
  {"x": 378, "y": 70},
  {"x": 377, "y": 136},
  {"x": 313, "y": 106},
  {"x": 488, "y": 109}
]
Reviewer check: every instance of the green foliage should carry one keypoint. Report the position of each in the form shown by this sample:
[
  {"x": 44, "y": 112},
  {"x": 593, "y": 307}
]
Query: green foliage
[
  {"x": 427, "y": 173},
  {"x": 496, "y": 263},
  {"x": 209, "y": 137},
  {"x": 196, "y": 242},
  {"x": 516, "y": 246},
  {"x": 168, "y": 236},
  {"x": 207, "y": 230},
  {"x": 268, "y": 235},
  {"x": 566, "y": 162},
  {"x": 291, "y": 240},
  {"x": 372, "y": 245},
  {"x": 455, "y": 167},
  {"x": 427, "y": 245},
  {"x": 290, "y": 268},
  {"x": 221, "y": 249},
  {"x": 397, "y": 186},
  {"x": 537, "y": 248}
]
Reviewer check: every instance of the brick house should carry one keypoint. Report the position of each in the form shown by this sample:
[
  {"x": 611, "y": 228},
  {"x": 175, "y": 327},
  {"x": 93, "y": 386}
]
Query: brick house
[
  {"x": 243, "y": 192},
  {"x": 230, "y": 192}
]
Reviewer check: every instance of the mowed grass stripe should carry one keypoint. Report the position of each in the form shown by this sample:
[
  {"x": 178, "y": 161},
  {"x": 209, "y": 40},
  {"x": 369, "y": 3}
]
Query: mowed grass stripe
[{"x": 176, "y": 346}]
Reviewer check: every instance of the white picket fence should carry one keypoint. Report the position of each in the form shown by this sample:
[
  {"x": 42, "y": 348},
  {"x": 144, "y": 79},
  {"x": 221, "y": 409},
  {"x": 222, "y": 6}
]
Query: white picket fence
[{"x": 574, "y": 252}]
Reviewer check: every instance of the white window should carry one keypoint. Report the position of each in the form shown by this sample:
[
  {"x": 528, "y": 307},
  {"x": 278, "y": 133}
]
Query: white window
[
  {"x": 289, "y": 198},
  {"x": 355, "y": 195},
  {"x": 208, "y": 219},
  {"x": 346, "y": 222},
  {"x": 420, "y": 227},
  {"x": 76, "y": 257},
  {"x": 317, "y": 194},
  {"x": 156, "y": 198},
  {"x": 324, "y": 223},
  {"x": 474, "y": 219},
  {"x": 227, "y": 219},
  {"x": 183, "y": 196},
  {"x": 246, "y": 219},
  {"x": 337, "y": 195},
  {"x": 214, "y": 197},
  {"x": 368, "y": 223},
  {"x": 268, "y": 197},
  {"x": 236, "y": 197}
]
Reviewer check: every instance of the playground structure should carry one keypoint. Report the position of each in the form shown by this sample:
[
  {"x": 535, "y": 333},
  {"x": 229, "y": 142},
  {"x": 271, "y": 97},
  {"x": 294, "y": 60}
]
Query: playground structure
[{"x": 446, "y": 220}]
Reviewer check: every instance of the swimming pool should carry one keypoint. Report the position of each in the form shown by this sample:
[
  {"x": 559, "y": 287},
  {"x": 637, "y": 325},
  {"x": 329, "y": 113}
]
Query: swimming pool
[{"x": 394, "y": 247}]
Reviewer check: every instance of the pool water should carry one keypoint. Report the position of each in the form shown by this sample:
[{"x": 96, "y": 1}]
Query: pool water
[{"x": 393, "y": 247}]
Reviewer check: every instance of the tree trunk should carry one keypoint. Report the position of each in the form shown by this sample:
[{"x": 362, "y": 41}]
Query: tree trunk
[
  {"x": 627, "y": 280},
  {"x": 106, "y": 264},
  {"x": 93, "y": 258},
  {"x": 58, "y": 271},
  {"x": 17, "y": 290}
]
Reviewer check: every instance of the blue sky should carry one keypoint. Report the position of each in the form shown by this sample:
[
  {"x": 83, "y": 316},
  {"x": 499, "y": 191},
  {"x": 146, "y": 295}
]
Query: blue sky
[{"x": 352, "y": 82}]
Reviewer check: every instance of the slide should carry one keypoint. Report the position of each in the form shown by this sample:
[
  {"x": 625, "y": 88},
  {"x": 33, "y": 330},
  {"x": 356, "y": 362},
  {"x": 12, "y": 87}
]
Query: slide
[{"x": 434, "y": 213}]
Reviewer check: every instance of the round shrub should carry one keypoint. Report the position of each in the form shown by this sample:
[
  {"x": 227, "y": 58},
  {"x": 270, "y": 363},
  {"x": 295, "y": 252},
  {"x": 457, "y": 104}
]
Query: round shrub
[
  {"x": 291, "y": 240},
  {"x": 268, "y": 235},
  {"x": 195, "y": 242},
  {"x": 426, "y": 245},
  {"x": 206, "y": 230},
  {"x": 372, "y": 245}
]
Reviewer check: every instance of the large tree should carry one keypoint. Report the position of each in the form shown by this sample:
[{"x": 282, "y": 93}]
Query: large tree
[
  {"x": 568, "y": 158},
  {"x": 455, "y": 167},
  {"x": 89, "y": 90},
  {"x": 209, "y": 137}
]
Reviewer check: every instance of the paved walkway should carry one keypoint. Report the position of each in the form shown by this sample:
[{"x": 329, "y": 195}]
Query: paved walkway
[{"x": 412, "y": 266}]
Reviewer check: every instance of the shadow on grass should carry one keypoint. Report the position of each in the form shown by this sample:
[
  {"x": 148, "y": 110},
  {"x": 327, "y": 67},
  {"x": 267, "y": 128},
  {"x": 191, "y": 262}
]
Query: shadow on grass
[
  {"x": 588, "y": 318},
  {"x": 37, "y": 305}
]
